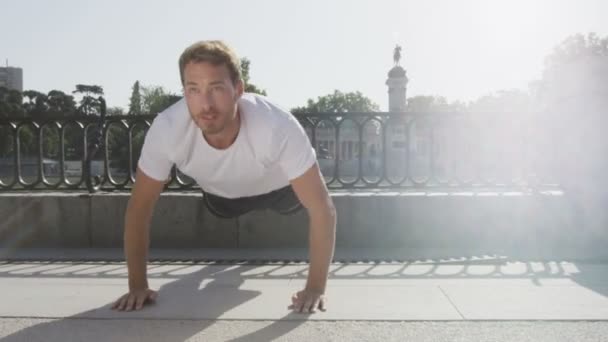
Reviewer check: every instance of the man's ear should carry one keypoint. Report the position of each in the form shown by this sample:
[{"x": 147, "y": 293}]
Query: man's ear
[{"x": 240, "y": 88}]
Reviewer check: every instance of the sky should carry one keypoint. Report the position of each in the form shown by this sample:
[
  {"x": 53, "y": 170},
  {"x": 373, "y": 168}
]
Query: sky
[{"x": 460, "y": 49}]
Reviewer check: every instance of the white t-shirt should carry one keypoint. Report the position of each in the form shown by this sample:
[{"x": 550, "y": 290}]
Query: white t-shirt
[{"x": 271, "y": 149}]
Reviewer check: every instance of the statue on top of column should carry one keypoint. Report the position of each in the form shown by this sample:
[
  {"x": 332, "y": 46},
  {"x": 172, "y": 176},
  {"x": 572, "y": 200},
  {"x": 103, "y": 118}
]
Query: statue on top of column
[{"x": 397, "y": 54}]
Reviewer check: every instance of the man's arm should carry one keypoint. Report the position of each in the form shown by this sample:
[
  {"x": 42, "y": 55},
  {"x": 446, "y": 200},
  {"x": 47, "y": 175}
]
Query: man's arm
[
  {"x": 312, "y": 192},
  {"x": 144, "y": 196}
]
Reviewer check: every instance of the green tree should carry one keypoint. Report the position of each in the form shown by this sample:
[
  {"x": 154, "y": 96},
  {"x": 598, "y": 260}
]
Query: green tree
[
  {"x": 115, "y": 111},
  {"x": 575, "y": 48},
  {"x": 576, "y": 70},
  {"x": 572, "y": 98},
  {"x": 135, "y": 101},
  {"x": 11, "y": 103},
  {"x": 89, "y": 103},
  {"x": 118, "y": 141},
  {"x": 514, "y": 102},
  {"x": 60, "y": 104},
  {"x": 41, "y": 106},
  {"x": 35, "y": 104},
  {"x": 155, "y": 99},
  {"x": 338, "y": 102},
  {"x": 428, "y": 103},
  {"x": 249, "y": 87}
]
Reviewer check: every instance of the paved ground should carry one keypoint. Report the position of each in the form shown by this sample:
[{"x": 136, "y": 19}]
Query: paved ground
[
  {"x": 466, "y": 299},
  {"x": 251, "y": 331}
]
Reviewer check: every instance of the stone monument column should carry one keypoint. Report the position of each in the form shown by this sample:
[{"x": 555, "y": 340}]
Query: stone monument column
[{"x": 397, "y": 84}]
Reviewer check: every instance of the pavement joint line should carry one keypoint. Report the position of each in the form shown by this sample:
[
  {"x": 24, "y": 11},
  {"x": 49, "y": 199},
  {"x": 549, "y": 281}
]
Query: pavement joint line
[
  {"x": 303, "y": 317},
  {"x": 272, "y": 262},
  {"x": 451, "y": 302}
]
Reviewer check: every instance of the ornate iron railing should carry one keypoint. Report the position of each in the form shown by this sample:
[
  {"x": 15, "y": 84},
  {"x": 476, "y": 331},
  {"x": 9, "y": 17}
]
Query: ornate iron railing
[{"x": 354, "y": 150}]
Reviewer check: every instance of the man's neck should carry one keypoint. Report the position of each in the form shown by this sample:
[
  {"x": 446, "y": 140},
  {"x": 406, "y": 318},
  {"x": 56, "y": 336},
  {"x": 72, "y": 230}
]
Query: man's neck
[{"x": 226, "y": 138}]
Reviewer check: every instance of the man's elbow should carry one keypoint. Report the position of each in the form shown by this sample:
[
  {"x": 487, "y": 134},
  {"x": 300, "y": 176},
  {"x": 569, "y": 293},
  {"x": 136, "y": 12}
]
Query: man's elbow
[{"x": 331, "y": 211}]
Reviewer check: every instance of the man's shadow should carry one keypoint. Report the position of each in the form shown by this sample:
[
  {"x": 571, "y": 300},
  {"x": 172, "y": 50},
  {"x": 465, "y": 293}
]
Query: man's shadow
[{"x": 188, "y": 299}]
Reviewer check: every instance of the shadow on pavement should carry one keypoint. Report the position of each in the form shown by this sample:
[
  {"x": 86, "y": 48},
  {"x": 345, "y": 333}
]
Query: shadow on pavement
[{"x": 181, "y": 300}]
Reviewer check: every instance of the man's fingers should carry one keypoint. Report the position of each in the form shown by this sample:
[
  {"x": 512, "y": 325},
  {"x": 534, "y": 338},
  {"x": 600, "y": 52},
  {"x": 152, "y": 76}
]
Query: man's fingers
[
  {"x": 322, "y": 306},
  {"x": 295, "y": 302},
  {"x": 307, "y": 304},
  {"x": 134, "y": 300},
  {"x": 299, "y": 303},
  {"x": 130, "y": 302},
  {"x": 315, "y": 305},
  {"x": 140, "y": 302},
  {"x": 116, "y": 303},
  {"x": 123, "y": 302}
]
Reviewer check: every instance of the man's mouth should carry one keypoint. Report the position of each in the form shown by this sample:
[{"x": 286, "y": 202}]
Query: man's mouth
[{"x": 207, "y": 117}]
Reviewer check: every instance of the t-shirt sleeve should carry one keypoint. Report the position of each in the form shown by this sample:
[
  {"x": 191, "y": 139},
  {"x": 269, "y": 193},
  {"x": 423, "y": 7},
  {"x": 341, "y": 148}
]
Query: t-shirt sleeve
[
  {"x": 295, "y": 152},
  {"x": 154, "y": 160}
]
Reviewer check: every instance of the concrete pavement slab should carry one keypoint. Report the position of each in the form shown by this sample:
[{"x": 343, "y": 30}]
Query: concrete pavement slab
[
  {"x": 214, "y": 292},
  {"x": 532, "y": 302},
  {"x": 375, "y": 292}
]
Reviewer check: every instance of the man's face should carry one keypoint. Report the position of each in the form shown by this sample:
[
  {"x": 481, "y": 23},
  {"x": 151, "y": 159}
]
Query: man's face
[{"x": 211, "y": 96}]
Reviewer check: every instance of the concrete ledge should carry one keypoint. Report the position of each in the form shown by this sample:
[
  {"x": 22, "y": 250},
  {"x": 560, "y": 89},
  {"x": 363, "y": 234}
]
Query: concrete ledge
[
  {"x": 365, "y": 219},
  {"x": 41, "y": 221}
]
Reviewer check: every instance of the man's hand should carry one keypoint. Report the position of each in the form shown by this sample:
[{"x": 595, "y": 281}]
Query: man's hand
[
  {"x": 307, "y": 301},
  {"x": 135, "y": 300}
]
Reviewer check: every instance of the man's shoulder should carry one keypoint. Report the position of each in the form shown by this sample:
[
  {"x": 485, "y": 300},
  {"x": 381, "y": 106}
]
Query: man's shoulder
[
  {"x": 174, "y": 117},
  {"x": 170, "y": 125},
  {"x": 259, "y": 110}
]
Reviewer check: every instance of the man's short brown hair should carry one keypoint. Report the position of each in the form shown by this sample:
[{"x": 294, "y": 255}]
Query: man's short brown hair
[{"x": 212, "y": 51}]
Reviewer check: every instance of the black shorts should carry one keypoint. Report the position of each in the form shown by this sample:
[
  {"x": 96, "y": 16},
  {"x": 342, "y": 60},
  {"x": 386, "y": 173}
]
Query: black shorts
[{"x": 283, "y": 201}]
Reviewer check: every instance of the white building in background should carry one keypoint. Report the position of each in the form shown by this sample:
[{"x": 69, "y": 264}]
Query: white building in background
[{"x": 11, "y": 78}]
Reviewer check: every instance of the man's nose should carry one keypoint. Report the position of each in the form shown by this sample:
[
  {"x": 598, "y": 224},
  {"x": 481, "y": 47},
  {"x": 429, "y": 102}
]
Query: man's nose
[{"x": 206, "y": 101}]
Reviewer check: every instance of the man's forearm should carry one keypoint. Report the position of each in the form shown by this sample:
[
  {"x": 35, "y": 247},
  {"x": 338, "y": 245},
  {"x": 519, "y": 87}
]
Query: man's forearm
[
  {"x": 136, "y": 240},
  {"x": 322, "y": 241}
]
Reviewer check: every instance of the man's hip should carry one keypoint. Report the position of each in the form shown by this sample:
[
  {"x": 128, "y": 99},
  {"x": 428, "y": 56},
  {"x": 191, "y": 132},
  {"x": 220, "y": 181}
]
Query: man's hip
[{"x": 283, "y": 201}]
